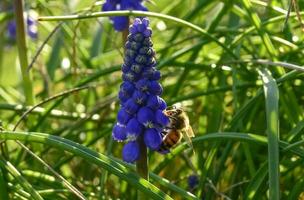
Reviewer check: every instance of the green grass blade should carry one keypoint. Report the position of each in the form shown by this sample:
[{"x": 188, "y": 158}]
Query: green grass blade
[
  {"x": 140, "y": 13},
  {"x": 54, "y": 59},
  {"x": 21, "y": 180},
  {"x": 257, "y": 23},
  {"x": 3, "y": 186},
  {"x": 245, "y": 137},
  {"x": 99, "y": 159},
  {"x": 272, "y": 117},
  {"x": 256, "y": 182}
]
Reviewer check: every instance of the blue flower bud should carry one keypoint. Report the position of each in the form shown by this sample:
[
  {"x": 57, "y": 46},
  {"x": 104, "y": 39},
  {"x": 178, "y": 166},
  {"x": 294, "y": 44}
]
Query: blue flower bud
[
  {"x": 130, "y": 152},
  {"x": 151, "y": 62},
  {"x": 134, "y": 45},
  {"x": 154, "y": 102},
  {"x": 11, "y": 29},
  {"x": 127, "y": 87},
  {"x": 133, "y": 29},
  {"x": 129, "y": 76},
  {"x": 136, "y": 22},
  {"x": 130, "y": 106},
  {"x": 193, "y": 181},
  {"x": 145, "y": 21},
  {"x": 155, "y": 76},
  {"x": 161, "y": 118},
  {"x": 32, "y": 27},
  {"x": 146, "y": 117},
  {"x": 147, "y": 32},
  {"x": 155, "y": 88},
  {"x": 143, "y": 85},
  {"x": 128, "y": 60},
  {"x": 119, "y": 132},
  {"x": 121, "y": 22},
  {"x": 151, "y": 73},
  {"x": 123, "y": 116},
  {"x": 125, "y": 68},
  {"x": 152, "y": 139},
  {"x": 134, "y": 129},
  {"x": 136, "y": 68},
  {"x": 162, "y": 105},
  {"x": 138, "y": 37},
  {"x": 141, "y": 28},
  {"x": 30, "y": 21},
  {"x": 123, "y": 96},
  {"x": 130, "y": 53},
  {"x": 140, "y": 59},
  {"x": 147, "y": 42},
  {"x": 146, "y": 51},
  {"x": 140, "y": 97}
]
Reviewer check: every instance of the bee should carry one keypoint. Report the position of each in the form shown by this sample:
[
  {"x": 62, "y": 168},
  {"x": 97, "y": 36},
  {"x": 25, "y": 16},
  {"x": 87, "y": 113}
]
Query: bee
[{"x": 179, "y": 127}]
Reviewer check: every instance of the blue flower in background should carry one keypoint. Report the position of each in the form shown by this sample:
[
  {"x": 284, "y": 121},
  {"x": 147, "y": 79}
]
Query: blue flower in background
[
  {"x": 141, "y": 112},
  {"x": 31, "y": 28},
  {"x": 193, "y": 181},
  {"x": 122, "y": 22}
]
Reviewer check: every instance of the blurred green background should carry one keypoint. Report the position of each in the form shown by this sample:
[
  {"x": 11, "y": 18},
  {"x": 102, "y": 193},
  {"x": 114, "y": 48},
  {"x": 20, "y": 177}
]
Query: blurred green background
[{"x": 222, "y": 92}]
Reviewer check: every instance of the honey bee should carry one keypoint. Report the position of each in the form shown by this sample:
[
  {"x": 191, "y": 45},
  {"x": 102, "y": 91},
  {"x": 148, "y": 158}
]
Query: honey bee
[{"x": 179, "y": 127}]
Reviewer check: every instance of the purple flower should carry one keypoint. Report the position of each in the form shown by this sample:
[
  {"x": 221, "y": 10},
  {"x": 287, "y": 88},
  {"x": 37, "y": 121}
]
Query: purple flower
[
  {"x": 193, "y": 181},
  {"x": 155, "y": 88},
  {"x": 123, "y": 116},
  {"x": 130, "y": 152},
  {"x": 153, "y": 139},
  {"x": 140, "y": 97},
  {"x": 11, "y": 29},
  {"x": 127, "y": 87},
  {"x": 121, "y": 22},
  {"x": 31, "y": 28},
  {"x": 143, "y": 85},
  {"x": 134, "y": 129},
  {"x": 156, "y": 102},
  {"x": 131, "y": 107},
  {"x": 146, "y": 117},
  {"x": 119, "y": 132},
  {"x": 161, "y": 118},
  {"x": 141, "y": 115}
]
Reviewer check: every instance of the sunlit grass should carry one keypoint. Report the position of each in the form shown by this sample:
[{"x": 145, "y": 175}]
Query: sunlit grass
[{"x": 235, "y": 67}]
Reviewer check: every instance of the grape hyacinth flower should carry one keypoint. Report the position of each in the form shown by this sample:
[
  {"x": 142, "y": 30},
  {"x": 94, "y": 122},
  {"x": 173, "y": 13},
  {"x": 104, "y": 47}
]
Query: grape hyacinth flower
[
  {"x": 141, "y": 112},
  {"x": 31, "y": 27},
  {"x": 122, "y": 22}
]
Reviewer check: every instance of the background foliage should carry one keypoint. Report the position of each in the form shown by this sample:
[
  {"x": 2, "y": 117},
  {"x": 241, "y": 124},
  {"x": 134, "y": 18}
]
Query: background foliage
[{"x": 237, "y": 73}]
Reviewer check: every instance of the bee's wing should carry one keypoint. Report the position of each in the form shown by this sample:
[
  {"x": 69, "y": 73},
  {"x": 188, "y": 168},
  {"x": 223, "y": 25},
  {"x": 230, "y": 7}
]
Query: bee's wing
[
  {"x": 190, "y": 131},
  {"x": 188, "y": 128},
  {"x": 187, "y": 135}
]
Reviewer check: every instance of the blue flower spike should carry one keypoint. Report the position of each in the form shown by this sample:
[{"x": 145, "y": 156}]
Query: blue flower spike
[
  {"x": 141, "y": 114},
  {"x": 121, "y": 23}
]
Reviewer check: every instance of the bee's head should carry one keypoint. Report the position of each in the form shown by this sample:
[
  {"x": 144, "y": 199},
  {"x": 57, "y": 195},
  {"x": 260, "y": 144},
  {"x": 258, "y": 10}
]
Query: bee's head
[{"x": 172, "y": 111}]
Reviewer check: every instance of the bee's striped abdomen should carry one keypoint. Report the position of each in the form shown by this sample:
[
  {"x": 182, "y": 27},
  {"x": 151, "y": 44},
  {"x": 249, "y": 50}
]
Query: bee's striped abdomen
[{"x": 170, "y": 140}]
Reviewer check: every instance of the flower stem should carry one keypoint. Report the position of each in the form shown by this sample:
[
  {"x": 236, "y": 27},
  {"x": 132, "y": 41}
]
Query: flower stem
[
  {"x": 142, "y": 165},
  {"x": 22, "y": 52}
]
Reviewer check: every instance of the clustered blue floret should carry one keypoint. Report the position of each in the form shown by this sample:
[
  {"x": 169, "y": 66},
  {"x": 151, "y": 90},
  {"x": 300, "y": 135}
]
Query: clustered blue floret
[
  {"x": 31, "y": 28},
  {"x": 141, "y": 112},
  {"x": 122, "y": 22}
]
